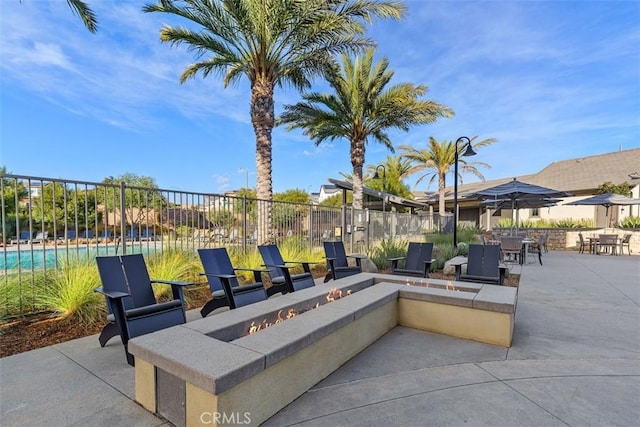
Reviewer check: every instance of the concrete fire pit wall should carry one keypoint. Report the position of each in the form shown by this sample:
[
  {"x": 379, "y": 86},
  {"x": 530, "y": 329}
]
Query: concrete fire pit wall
[{"x": 189, "y": 377}]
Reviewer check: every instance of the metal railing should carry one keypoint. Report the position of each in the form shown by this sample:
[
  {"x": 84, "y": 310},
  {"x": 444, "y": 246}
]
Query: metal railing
[{"x": 46, "y": 221}]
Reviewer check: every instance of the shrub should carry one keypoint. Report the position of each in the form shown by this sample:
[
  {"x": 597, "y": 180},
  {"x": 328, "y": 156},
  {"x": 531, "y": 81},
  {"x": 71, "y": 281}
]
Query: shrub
[
  {"x": 388, "y": 248},
  {"x": 630, "y": 222},
  {"x": 70, "y": 292},
  {"x": 15, "y": 300},
  {"x": 173, "y": 265}
]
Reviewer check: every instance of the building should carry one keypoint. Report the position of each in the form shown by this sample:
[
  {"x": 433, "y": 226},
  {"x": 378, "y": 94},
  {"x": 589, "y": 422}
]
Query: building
[{"x": 579, "y": 176}]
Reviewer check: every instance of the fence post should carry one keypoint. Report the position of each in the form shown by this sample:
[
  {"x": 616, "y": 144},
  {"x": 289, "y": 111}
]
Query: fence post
[
  {"x": 245, "y": 229},
  {"x": 123, "y": 219}
]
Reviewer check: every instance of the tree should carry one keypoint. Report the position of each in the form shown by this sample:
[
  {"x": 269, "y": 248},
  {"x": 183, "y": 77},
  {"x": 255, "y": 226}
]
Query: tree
[
  {"x": 271, "y": 43},
  {"x": 361, "y": 109},
  {"x": 292, "y": 208},
  {"x": 139, "y": 194},
  {"x": 396, "y": 169},
  {"x": 335, "y": 201},
  {"x": 610, "y": 187},
  {"x": 436, "y": 161},
  {"x": 13, "y": 192},
  {"x": 85, "y": 13}
]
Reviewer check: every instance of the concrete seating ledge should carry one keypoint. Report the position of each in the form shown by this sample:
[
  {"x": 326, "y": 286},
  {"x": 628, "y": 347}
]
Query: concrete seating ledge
[{"x": 214, "y": 354}]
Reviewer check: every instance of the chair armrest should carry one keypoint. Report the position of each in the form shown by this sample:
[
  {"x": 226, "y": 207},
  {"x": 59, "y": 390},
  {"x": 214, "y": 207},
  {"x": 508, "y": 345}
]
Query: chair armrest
[
  {"x": 222, "y": 276},
  {"x": 459, "y": 262},
  {"x": 257, "y": 273},
  {"x": 171, "y": 282},
  {"x": 112, "y": 294},
  {"x": 251, "y": 269},
  {"x": 305, "y": 264},
  {"x": 397, "y": 259}
]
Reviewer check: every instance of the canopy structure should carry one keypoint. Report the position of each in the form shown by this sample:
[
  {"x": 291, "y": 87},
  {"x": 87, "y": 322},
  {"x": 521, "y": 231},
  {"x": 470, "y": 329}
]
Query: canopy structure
[
  {"x": 607, "y": 200},
  {"x": 516, "y": 194},
  {"x": 390, "y": 199}
]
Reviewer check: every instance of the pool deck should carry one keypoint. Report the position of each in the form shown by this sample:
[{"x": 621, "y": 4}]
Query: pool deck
[{"x": 575, "y": 360}]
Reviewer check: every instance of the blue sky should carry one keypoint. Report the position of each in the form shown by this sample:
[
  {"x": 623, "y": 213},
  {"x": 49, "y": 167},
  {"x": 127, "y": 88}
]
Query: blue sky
[{"x": 551, "y": 80}]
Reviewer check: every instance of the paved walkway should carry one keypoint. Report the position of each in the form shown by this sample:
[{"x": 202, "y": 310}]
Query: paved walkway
[{"x": 575, "y": 360}]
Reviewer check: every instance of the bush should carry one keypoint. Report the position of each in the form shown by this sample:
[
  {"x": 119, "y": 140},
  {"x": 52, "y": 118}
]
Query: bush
[
  {"x": 630, "y": 222},
  {"x": 173, "y": 265},
  {"x": 70, "y": 292},
  {"x": 388, "y": 248}
]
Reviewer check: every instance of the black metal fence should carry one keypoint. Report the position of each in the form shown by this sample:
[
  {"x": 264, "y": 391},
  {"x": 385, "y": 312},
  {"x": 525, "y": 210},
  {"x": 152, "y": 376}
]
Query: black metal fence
[{"x": 45, "y": 220}]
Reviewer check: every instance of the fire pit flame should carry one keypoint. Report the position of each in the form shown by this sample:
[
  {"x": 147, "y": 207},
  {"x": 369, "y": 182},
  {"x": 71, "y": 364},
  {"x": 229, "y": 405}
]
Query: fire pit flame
[{"x": 334, "y": 294}]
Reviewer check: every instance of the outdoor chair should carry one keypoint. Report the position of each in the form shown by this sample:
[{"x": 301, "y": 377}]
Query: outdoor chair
[
  {"x": 626, "y": 241},
  {"x": 41, "y": 237},
  {"x": 147, "y": 235},
  {"x": 417, "y": 262},
  {"x": 279, "y": 271},
  {"x": 25, "y": 236},
  {"x": 537, "y": 248},
  {"x": 132, "y": 235},
  {"x": 223, "y": 281},
  {"x": 483, "y": 265},
  {"x": 337, "y": 261},
  {"x": 545, "y": 241},
  {"x": 87, "y": 236},
  {"x": 582, "y": 244},
  {"x": 132, "y": 306},
  {"x": 607, "y": 242},
  {"x": 106, "y": 236},
  {"x": 511, "y": 246}
]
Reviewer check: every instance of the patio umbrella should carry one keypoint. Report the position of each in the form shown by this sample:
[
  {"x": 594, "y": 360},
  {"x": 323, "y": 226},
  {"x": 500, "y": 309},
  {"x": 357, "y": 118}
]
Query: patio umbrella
[
  {"x": 607, "y": 200},
  {"x": 518, "y": 193},
  {"x": 524, "y": 203}
]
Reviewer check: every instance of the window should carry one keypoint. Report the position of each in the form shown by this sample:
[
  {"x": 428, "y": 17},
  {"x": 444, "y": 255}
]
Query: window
[{"x": 534, "y": 212}]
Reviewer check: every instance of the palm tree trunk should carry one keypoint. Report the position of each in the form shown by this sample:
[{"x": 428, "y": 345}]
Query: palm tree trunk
[
  {"x": 263, "y": 119},
  {"x": 357, "y": 161}
]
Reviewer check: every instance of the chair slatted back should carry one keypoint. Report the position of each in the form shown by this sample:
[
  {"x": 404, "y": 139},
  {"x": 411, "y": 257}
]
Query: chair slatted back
[
  {"x": 336, "y": 251},
  {"x": 113, "y": 278},
  {"x": 217, "y": 261},
  {"x": 135, "y": 271},
  {"x": 271, "y": 256},
  {"x": 483, "y": 260},
  {"x": 416, "y": 254}
]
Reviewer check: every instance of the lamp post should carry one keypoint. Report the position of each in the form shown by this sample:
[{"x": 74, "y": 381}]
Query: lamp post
[
  {"x": 384, "y": 186},
  {"x": 384, "y": 183},
  {"x": 468, "y": 152}
]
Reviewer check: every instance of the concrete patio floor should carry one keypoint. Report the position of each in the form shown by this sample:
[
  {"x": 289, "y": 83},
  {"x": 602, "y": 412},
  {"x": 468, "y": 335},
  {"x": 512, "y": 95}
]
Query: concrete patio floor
[{"x": 575, "y": 360}]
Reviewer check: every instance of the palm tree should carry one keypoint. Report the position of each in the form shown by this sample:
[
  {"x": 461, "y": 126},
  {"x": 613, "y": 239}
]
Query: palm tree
[
  {"x": 396, "y": 168},
  {"x": 85, "y": 13},
  {"x": 271, "y": 43},
  {"x": 361, "y": 109},
  {"x": 436, "y": 161}
]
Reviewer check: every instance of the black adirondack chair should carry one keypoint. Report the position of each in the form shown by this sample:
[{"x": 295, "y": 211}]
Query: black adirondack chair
[
  {"x": 221, "y": 276},
  {"x": 483, "y": 265},
  {"x": 279, "y": 270},
  {"x": 133, "y": 309},
  {"x": 337, "y": 261},
  {"x": 417, "y": 262}
]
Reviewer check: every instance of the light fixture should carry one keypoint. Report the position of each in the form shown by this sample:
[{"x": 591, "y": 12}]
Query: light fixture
[
  {"x": 468, "y": 152},
  {"x": 384, "y": 186}
]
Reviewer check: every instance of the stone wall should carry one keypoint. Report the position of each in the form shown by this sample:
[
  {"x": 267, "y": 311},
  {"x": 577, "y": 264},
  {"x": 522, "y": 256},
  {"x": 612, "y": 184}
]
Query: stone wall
[{"x": 562, "y": 239}]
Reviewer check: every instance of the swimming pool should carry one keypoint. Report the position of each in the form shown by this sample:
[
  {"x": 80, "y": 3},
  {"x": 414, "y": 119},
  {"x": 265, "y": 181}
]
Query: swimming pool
[{"x": 37, "y": 259}]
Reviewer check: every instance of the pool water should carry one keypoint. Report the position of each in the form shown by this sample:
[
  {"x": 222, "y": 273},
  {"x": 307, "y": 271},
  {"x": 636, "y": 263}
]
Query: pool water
[{"x": 37, "y": 259}]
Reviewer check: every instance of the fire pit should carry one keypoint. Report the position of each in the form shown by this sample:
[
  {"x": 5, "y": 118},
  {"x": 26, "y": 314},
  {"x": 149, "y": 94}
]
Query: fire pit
[{"x": 209, "y": 369}]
